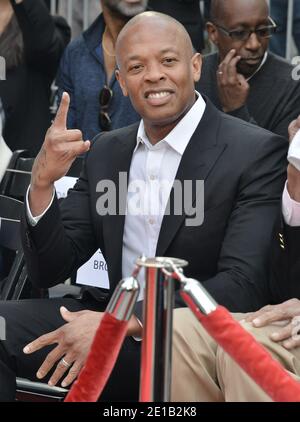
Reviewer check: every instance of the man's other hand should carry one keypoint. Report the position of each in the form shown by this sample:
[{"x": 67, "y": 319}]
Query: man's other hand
[
  {"x": 286, "y": 314},
  {"x": 73, "y": 340}
]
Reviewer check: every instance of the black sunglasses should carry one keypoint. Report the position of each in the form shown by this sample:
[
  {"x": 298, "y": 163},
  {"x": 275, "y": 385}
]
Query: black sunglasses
[
  {"x": 105, "y": 98},
  {"x": 244, "y": 34}
]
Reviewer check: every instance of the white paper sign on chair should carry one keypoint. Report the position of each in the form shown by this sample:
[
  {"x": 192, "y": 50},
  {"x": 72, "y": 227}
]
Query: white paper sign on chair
[{"x": 93, "y": 272}]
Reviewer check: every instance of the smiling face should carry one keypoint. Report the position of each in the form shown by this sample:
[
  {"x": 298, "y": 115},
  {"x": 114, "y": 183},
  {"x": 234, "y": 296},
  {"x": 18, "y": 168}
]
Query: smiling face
[
  {"x": 157, "y": 69},
  {"x": 237, "y": 15}
]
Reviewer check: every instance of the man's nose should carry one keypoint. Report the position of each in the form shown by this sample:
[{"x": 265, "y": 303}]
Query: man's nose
[
  {"x": 253, "y": 42},
  {"x": 155, "y": 72}
]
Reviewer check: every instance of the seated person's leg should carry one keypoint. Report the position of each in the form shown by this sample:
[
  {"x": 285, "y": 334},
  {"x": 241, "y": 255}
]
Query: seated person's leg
[
  {"x": 194, "y": 376},
  {"x": 29, "y": 319},
  {"x": 202, "y": 371},
  {"x": 236, "y": 384}
]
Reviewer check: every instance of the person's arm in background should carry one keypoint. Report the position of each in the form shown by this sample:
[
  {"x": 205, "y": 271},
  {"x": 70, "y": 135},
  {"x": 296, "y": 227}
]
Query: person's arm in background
[
  {"x": 290, "y": 111},
  {"x": 285, "y": 265},
  {"x": 45, "y": 37},
  {"x": 291, "y": 214},
  {"x": 65, "y": 84},
  {"x": 240, "y": 283},
  {"x": 207, "y": 4},
  {"x": 285, "y": 257}
]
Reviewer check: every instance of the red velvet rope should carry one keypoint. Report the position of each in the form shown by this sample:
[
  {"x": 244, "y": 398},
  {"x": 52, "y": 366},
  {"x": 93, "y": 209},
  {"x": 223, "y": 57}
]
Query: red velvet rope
[
  {"x": 251, "y": 356},
  {"x": 100, "y": 361}
]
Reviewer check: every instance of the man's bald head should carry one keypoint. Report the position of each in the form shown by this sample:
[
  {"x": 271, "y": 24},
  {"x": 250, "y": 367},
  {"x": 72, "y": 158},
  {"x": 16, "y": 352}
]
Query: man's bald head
[
  {"x": 220, "y": 10},
  {"x": 157, "y": 70},
  {"x": 152, "y": 21}
]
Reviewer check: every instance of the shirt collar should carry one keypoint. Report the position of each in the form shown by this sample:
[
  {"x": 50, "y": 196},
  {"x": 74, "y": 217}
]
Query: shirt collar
[
  {"x": 260, "y": 66},
  {"x": 180, "y": 136}
]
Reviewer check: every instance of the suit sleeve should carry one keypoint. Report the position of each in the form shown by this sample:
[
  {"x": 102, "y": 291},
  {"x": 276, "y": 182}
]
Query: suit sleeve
[
  {"x": 65, "y": 84},
  {"x": 243, "y": 114},
  {"x": 243, "y": 265},
  {"x": 62, "y": 240},
  {"x": 289, "y": 111}
]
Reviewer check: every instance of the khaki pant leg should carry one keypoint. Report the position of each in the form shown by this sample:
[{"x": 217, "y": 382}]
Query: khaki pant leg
[
  {"x": 194, "y": 376},
  {"x": 236, "y": 384}
]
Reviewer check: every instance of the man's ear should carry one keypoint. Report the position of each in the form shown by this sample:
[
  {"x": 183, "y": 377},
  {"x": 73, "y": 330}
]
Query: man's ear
[
  {"x": 212, "y": 32},
  {"x": 121, "y": 81},
  {"x": 197, "y": 66}
]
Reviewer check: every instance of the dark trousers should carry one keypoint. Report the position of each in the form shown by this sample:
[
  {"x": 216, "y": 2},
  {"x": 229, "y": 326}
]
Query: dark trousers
[{"x": 26, "y": 320}]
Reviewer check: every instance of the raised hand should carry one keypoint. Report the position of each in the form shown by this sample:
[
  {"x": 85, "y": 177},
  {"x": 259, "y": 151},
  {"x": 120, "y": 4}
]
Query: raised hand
[
  {"x": 232, "y": 86},
  {"x": 59, "y": 150}
]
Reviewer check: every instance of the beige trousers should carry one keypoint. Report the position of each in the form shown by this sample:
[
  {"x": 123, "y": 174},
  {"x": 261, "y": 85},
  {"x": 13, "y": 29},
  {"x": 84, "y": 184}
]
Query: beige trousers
[{"x": 203, "y": 372}]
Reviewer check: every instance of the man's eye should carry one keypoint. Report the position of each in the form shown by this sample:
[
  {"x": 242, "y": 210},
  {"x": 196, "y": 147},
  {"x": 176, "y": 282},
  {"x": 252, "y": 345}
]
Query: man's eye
[
  {"x": 169, "y": 60},
  {"x": 135, "y": 67},
  {"x": 263, "y": 32},
  {"x": 239, "y": 34}
]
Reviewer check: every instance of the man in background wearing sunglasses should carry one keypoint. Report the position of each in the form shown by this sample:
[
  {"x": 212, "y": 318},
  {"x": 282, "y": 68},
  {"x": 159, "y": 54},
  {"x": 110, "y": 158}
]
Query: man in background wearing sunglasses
[{"x": 243, "y": 78}]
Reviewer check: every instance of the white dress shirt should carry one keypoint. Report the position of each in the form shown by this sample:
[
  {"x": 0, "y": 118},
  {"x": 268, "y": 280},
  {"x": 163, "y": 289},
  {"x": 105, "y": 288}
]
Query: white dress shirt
[
  {"x": 152, "y": 173},
  {"x": 290, "y": 209},
  {"x": 152, "y": 167}
]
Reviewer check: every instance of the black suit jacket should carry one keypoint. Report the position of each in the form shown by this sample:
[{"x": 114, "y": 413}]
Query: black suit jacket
[
  {"x": 285, "y": 263},
  {"x": 243, "y": 167}
]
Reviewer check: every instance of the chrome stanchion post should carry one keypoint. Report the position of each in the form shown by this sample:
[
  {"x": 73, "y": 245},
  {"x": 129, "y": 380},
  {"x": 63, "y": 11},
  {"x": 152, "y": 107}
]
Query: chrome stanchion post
[
  {"x": 123, "y": 300},
  {"x": 157, "y": 328},
  {"x": 196, "y": 297}
]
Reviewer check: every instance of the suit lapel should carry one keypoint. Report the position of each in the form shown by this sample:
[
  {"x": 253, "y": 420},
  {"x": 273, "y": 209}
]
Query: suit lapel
[
  {"x": 197, "y": 162},
  {"x": 113, "y": 225}
]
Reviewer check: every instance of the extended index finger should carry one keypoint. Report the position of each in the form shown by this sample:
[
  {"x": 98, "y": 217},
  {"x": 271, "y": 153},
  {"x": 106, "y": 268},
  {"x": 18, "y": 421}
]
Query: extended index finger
[{"x": 60, "y": 120}]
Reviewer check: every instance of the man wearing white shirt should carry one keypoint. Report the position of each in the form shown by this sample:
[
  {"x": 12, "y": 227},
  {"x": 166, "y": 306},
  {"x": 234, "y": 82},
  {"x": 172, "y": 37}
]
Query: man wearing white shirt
[
  {"x": 202, "y": 371},
  {"x": 182, "y": 138}
]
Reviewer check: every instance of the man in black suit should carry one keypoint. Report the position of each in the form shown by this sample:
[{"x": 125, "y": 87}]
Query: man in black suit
[{"x": 181, "y": 138}]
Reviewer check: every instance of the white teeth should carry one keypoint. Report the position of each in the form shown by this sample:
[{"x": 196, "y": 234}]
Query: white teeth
[{"x": 158, "y": 94}]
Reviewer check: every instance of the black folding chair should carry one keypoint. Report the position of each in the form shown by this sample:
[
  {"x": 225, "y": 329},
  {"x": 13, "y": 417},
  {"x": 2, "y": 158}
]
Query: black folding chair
[
  {"x": 16, "y": 185},
  {"x": 13, "y": 287},
  {"x": 17, "y": 175},
  {"x": 10, "y": 212},
  {"x": 30, "y": 391},
  {"x": 16, "y": 284}
]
